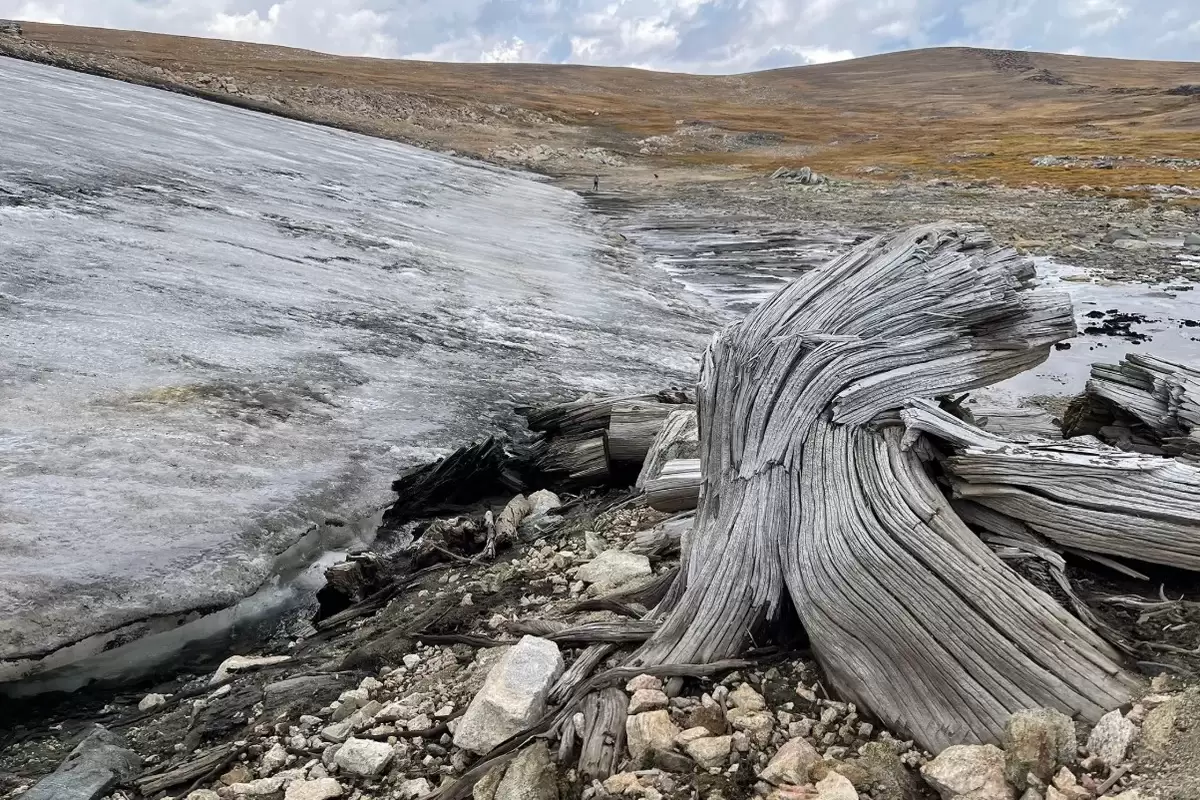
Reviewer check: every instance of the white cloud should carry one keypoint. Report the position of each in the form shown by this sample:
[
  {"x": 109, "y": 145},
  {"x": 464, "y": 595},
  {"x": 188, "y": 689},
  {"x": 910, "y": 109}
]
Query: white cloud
[
  {"x": 249, "y": 26},
  {"x": 508, "y": 52},
  {"x": 54, "y": 13},
  {"x": 823, "y": 55},
  {"x": 688, "y": 35}
]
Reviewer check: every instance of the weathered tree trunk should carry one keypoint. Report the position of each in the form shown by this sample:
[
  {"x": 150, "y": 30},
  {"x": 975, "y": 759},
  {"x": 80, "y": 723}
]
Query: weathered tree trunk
[
  {"x": 679, "y": 438},
  {"x": 586, "y": 415},
  {"x": 1078, "y": 494},
  {"x": 807, "y": 490},
  {"x": 677, "y": 487},
  {"x": 576, "y": 460},
  {"x": 633, "y": 428},
  {"x": 1144, "y": 404}
]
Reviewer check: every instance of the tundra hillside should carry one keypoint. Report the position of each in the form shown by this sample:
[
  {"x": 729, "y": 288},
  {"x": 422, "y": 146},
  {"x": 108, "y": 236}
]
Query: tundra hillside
[{"x": 1013, "y": 117}]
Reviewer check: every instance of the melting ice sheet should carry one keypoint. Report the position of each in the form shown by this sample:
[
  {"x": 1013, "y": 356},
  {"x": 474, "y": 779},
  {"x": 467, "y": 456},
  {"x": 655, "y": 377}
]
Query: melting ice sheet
[{"x": 218, "y": 328}]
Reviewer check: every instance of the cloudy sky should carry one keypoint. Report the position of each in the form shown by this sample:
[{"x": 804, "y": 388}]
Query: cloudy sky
[{"x": 686, "y": 35}]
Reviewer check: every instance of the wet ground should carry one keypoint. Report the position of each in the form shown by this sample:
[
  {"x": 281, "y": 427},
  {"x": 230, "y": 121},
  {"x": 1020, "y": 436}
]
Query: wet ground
[
  {"x": 1113, "y": 319},
  {"x": 221, "y": 329},
  {"x": 735, "y": 259}
]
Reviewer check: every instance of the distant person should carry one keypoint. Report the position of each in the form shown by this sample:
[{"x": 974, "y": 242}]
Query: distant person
[{"x": 596, "y": 184}]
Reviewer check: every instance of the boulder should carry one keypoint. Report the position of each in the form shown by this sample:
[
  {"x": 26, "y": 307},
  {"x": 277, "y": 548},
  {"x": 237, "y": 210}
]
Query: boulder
[
  {"x": 1192, "y": 241},
  {"x": 241, "y": 664},
  {"x": 1067, "y": 786},
  {"x": 887, "y": 774},
  {"x": 684, "y": 738},
  {"x": 614, "y": 568},
  {"x": 647, "y": 700},
  {"x": 790, "y": 764},
  {"x": 622, "y": 783},
  {"x": 414, "y": 788},
  {"x": 969, "y": 772},
  {"x": 745, "y": 697},
  {"x": 485, "y": 787},
  {"x": 513, "y": 695},
  {"x": 836, "y": 786},
  {"x": 709, "y": 714},
  {"x": 363, "y": 757},
  {"x": 542, "y": 502},
  {"x": 711, "y": 751},
  {"x": 151, "y": 702},
  {"x": 1111, "y": 738},
  {"x": 320, "y": 789},
  {"x": 263, "y": 787},
  {"x": 98, "y": 764},
  {"x": 531, "y": 776},
  {"x": 650, "y": 731},
  {"x": 644, "y": 682},
  {"x": 339, "y": 731},
  {"x": 1123, "y": 234},
  {"x": 274, "y": 759},
  {"x": 1037, "y": 741},
  {"x": 1160, "y": 729},
  {"x": 757, "y": 724},
  {"x": 205, "y": 794}
]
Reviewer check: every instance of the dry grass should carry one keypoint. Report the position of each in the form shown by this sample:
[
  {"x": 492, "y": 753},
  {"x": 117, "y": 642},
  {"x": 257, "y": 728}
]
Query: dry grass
[{"x": 905, "y": 112}]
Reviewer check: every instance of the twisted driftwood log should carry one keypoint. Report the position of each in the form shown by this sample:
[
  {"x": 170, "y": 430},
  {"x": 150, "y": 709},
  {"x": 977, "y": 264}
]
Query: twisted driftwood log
[
  {"x": 1078, "y": 493},
  {"x": 808, "y": 490},
  {"x": 1144, "y": 403}
]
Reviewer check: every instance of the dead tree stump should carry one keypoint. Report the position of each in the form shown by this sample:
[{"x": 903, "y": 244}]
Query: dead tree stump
[{"x": 807, "y": 491}]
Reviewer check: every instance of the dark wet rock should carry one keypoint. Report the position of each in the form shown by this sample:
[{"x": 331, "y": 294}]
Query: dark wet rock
[
  {"x": 302, "y": 692},
  {"x": 99, "y": 764}
]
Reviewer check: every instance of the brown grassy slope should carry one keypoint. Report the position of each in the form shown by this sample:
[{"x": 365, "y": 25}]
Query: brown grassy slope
[{"x": 914, "y": 112}]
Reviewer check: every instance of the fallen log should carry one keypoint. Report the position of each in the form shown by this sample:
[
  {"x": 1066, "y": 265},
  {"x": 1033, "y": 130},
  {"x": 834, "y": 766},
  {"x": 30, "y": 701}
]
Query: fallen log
[
  {"x": 677, "y": 487},
  {"x": 585, "y": 415},
  {"x": 465, "y": 477},
  {"x": 1145, "y": 404},
  {"x": 576, "y": 460},
  {"x": 679, "y": 438},
  {"x": 505, "y": 527},
  {"x": 603, "y": 733},
  {"x": 665, "y": 538},
  {"x": 1079, "y": 494},
  {"x": 807, "y": 493},
  {"x": 633, "y": 427}
]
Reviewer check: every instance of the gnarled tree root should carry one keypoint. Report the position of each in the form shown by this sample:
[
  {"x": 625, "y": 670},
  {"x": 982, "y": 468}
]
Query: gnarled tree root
[{"x": 807, "y": 491}]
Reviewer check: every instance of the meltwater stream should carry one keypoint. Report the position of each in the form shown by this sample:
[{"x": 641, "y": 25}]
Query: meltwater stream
[{"x": 218, "y": 329}]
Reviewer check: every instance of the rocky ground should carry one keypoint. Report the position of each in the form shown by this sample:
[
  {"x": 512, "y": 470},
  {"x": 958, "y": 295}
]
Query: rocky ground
[
  {"x": 398, "y": 690},
  {"x": 1151, "y": 239},
  {"x": 402, "y": 702}
]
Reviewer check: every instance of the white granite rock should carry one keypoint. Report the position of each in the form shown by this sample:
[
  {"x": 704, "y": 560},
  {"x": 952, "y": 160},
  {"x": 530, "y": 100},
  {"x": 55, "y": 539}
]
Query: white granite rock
[{"x": 513, "y": 695}]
